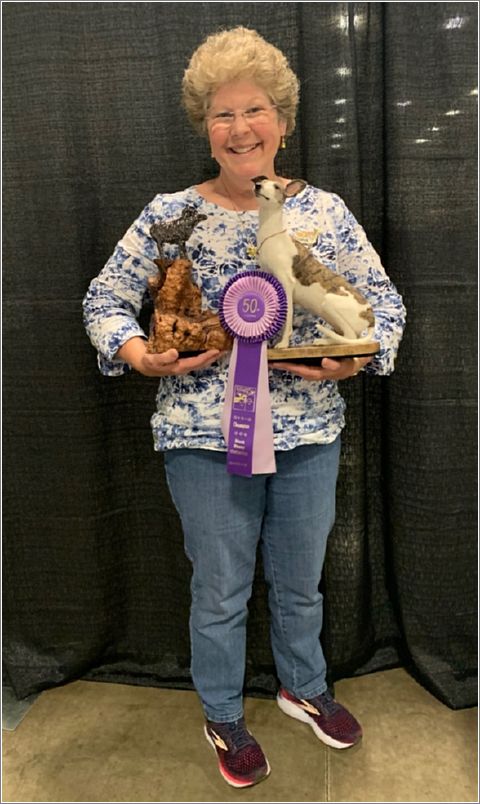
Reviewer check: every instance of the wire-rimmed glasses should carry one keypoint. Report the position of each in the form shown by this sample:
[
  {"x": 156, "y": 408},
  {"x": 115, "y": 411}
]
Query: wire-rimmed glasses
[{"x": 223, "y": 118}]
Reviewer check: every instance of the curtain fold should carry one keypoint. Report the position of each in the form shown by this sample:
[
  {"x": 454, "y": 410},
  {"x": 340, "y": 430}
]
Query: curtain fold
[{"x": 96, "y": 584}]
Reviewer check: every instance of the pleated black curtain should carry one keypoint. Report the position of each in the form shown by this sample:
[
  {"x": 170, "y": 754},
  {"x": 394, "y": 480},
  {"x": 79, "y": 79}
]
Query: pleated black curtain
[{"x": 96, "y": 585}]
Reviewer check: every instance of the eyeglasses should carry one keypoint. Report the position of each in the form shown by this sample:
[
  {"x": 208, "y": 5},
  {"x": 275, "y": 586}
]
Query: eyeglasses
[{"x": 255, "y": 114}]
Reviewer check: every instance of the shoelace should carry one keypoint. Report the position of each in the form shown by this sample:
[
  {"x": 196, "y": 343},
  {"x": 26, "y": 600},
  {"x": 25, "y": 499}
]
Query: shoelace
[
  {"x": 326, "y": 704},
  {"x": 239, "y": 734}
]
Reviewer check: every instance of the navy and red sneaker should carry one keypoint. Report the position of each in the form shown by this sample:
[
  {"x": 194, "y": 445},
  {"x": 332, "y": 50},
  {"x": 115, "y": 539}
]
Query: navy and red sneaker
[
  {"x": 331, "y": 722},
  {"x": 241, "y": 761}
]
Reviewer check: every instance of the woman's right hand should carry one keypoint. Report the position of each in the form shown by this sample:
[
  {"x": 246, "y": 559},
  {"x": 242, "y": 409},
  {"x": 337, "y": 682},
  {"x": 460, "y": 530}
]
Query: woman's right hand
[
  {"x": 169, "y": 363},
  {"x": 162, "y": 364}
]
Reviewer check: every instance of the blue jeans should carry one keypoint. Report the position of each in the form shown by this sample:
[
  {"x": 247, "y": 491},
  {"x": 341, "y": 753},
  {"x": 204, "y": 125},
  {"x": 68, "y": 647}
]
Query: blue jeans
[{"x": 223, "y": 517}]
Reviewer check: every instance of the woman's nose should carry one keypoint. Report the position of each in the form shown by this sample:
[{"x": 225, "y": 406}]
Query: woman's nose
[{"x": 239, "y": 125}]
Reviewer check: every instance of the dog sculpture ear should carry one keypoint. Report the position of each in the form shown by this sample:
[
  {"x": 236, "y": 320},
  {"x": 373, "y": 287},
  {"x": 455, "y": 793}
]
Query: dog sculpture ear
[{"x": 294, "y": 187}]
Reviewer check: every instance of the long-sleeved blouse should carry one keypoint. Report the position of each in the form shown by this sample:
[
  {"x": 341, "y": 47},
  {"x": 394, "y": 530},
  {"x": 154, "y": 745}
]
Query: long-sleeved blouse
[{"x": 188, "y": 408}]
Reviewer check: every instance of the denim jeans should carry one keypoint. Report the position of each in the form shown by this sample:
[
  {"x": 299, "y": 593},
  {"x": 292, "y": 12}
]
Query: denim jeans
[{"x": 223, "y": 517}]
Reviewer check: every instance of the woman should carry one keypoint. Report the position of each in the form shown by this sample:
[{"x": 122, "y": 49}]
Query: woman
[{"x": 239, "y": 91}]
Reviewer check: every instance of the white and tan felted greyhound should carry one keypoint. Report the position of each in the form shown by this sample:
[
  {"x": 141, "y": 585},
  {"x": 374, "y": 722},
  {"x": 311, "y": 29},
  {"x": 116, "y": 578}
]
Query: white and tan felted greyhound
[{"x": 306, "y": 281}]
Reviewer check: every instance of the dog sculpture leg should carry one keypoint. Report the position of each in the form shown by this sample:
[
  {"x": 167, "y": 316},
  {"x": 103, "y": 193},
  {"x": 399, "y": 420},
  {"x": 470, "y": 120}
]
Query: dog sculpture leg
[{"x": 288, "y": 326}]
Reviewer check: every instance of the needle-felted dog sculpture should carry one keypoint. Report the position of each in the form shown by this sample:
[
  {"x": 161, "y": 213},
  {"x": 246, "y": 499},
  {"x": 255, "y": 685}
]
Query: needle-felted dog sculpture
[{"x": 306, "y": 281}]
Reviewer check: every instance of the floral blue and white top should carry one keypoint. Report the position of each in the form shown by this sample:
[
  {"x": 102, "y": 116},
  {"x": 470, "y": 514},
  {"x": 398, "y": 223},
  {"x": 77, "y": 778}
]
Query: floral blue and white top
[{"x": 188, "y": 408}]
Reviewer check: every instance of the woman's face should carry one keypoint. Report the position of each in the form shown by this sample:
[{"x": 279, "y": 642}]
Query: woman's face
[{"x": 244, "y": 146}]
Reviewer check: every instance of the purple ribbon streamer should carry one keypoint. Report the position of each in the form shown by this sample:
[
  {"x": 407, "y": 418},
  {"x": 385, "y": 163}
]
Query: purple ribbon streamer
[{"x": 247, "y": 416}]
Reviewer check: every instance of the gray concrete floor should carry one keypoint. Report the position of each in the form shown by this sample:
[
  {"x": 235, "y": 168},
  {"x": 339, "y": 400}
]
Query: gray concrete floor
[{"x": 100, "y": 742}]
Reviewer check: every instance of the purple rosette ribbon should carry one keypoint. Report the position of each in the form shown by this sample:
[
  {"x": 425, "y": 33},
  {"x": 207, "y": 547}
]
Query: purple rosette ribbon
[{"x": 253, "y": 308}]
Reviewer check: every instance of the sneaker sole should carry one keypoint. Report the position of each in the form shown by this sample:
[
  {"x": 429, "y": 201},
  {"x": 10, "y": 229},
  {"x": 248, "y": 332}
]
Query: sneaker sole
[
  {"x": 230, "y": 779},
  {"x": 294, "y": 711}
]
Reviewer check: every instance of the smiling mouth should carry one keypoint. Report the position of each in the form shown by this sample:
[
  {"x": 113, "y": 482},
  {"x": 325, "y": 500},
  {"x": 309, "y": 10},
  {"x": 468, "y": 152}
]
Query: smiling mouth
[{"x": 246, "y": 150}]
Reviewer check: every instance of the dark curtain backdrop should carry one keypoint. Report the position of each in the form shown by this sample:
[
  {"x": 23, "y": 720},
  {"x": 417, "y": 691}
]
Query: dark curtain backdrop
[{"x": 96, "y": 585}]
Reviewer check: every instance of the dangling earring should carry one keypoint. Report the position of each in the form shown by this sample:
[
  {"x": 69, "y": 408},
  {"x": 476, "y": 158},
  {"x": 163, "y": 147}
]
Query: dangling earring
[{"x": 283, "y": 143}]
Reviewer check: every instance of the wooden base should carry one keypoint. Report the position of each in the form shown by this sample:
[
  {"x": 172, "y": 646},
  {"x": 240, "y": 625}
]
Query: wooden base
[{"x": 314, "y": 354}]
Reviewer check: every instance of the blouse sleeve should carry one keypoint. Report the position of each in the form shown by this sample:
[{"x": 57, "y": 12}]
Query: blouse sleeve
[
  {"x": 361, "y": 266},
  {"x": 115, "y": 297}
]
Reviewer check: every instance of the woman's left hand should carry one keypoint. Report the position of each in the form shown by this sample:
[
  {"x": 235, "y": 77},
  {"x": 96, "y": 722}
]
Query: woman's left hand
[{"x": 329, "y": 369}]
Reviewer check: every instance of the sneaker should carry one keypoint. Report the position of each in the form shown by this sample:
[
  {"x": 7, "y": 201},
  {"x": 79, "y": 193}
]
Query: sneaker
[
  {"x": 241, "y": 761},
  {"x": 331, "y": 722}
]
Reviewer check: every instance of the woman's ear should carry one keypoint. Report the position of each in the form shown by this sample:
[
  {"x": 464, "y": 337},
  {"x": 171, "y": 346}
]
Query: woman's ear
[{"x": 294, "y": 187}]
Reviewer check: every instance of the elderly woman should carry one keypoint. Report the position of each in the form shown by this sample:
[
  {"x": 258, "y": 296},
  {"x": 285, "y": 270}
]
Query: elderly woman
[{"x": 240, "y": 92}]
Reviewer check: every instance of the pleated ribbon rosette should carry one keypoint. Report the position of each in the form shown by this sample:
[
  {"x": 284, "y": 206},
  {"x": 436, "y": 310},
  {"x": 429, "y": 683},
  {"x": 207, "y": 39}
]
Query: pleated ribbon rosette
[{"x": 253, "y": 308}]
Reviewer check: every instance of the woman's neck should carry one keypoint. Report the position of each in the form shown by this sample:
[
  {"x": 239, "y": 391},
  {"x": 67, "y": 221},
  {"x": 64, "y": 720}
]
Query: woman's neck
[{"x": 238, "y": 192}]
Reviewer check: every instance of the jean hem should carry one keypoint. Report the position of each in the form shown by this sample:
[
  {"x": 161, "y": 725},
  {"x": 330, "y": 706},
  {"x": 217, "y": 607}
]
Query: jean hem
[
  {"x": 307, "y": 695},
  {"x": 224, "y": 718}
]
